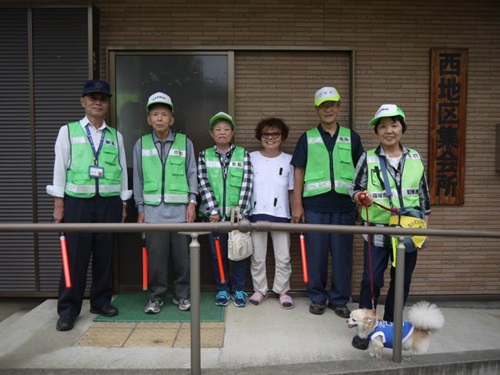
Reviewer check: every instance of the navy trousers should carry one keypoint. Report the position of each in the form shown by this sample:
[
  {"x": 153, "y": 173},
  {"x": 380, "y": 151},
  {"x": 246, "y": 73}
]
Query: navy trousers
[
  {"x": 84, "y": 245},
  {"x": 380, "y": 259},
  {"x": 339, "y": 247},
  {"x": 238, "y": 268}
]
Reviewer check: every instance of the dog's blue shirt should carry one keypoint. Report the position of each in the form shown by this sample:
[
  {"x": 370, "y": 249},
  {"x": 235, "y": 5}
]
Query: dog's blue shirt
[{"x": 386, "y": 331}]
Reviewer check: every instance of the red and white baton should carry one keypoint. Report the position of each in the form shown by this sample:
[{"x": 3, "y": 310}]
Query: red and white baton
[
  {"x": 65, "y": 261},
  {"x": 219, "y": 260},
  {"x": 304, "y": 258},
  {"x": 144, "y": 263}
]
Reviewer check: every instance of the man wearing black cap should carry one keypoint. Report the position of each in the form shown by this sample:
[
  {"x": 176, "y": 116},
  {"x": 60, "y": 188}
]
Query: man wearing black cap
[{"x": 89, "y": 186}]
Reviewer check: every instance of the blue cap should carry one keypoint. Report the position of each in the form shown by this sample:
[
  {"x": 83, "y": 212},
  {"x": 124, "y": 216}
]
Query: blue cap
[{"x": 96, "y": 86}]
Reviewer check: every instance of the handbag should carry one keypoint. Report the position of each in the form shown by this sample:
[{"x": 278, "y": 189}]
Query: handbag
[
  {"x": 239, "y": 244},
  {"x": 405, "y": 217}
]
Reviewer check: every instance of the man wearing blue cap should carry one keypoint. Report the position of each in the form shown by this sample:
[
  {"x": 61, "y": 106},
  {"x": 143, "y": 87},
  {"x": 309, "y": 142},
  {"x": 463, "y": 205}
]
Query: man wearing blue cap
[
  {"x": 324, "y": 161},
  {"x": 89, "y": 186}
]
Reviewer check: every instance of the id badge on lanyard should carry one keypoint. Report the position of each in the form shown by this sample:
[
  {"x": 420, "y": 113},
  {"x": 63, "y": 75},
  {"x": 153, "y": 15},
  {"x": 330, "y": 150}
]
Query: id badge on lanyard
[{"x": 95, "y": 171}]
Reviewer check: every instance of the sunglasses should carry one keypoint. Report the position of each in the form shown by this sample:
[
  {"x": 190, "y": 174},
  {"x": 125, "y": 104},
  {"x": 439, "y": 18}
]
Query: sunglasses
[{"x": 272, "y": 135}]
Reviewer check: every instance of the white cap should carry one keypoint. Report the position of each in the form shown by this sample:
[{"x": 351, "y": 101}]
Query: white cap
[
  {"x": 387, "y": 110},
  {"x": 326, "y": 94},
  {"x": 159, "y": 98}
]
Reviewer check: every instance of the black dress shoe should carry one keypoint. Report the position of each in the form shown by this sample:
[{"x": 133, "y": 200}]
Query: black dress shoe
[
  {"x": 341, "y": 310},
  {"x": 108, "y": 310},
  {"x": 317, "y": 308},
  {"x": 65, "y": 323},
  {"x": 359, "y": 343}
]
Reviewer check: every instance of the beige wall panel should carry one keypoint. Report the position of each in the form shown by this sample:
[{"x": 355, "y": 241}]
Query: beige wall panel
[{"x": 392, "y": 42}]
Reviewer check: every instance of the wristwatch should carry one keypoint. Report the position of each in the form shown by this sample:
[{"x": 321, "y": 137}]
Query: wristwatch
[{"x": 193, "y": 202}]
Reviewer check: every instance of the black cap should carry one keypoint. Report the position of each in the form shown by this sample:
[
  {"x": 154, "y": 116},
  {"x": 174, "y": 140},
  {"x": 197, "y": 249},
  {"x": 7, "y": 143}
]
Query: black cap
[{"x": 96, "y": 86}]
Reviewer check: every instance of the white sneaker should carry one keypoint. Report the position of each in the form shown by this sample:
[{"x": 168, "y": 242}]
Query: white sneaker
[
  {"x": 184, "y": 304},
  {"x": 153, "y": 307}
]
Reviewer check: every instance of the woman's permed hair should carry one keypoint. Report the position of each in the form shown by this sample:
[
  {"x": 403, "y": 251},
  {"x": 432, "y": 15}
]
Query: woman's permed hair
[{"x": 272, "y": 123}]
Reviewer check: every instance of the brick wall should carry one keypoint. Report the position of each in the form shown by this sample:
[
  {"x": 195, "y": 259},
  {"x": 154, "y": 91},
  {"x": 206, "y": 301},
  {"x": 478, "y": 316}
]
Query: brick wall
[{"x": 391, "y": 41}]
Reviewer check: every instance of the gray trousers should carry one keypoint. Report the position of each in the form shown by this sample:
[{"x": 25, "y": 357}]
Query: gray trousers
[{"x": 163, "y": 246}]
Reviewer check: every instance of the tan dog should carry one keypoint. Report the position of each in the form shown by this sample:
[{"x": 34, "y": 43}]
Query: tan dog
[{"x": 424, "y": 318}]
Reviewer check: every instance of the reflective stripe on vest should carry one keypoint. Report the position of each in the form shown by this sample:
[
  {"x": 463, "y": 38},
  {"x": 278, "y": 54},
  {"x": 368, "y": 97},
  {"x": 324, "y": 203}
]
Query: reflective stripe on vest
[
  {"x": 227, "y": 192},
  {"x": 412, "y": 174},
  {"x": 317, "y": 178},
  {"x": 164, "y": 182},
  {"x": 78, "y": 181}
]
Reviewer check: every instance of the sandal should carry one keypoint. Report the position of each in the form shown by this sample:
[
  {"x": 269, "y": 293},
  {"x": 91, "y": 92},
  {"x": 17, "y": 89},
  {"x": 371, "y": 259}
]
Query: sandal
[
  {"x": 286, "y": 302},
  {"x": 257, "y": 298}
]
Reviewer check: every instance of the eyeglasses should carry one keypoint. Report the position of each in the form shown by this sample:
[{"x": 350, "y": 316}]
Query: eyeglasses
[{"x": 272, "y": 135}]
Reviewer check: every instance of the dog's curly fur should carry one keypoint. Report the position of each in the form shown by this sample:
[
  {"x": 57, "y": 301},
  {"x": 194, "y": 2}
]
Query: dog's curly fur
[{"x": 425, "y": 317}]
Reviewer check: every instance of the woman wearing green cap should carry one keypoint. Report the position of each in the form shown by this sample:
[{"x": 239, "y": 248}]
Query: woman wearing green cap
[
  {"x": 225, "y": 181},
  {"x": 408, "y": 188}
]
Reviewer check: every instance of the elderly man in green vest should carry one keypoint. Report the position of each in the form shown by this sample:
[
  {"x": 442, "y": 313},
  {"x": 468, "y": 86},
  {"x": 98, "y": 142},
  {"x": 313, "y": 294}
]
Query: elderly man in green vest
[
  {"x": 324, "y": 161},
  {"x": 165, "y": 190},
  {"x": 89, "y": 186}
]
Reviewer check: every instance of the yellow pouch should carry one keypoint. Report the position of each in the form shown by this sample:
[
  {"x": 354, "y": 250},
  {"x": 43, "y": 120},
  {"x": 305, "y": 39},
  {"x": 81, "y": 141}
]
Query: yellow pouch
[{"x": 413, "y": 243}]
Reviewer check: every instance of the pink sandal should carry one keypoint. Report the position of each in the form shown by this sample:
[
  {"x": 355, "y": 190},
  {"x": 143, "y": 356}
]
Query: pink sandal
[
  {"x": 257, "y": 298},
  {"x": 286, "y": 302}
]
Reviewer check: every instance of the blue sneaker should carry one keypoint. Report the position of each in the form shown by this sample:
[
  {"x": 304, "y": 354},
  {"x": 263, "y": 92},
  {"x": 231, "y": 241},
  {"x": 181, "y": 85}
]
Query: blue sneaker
[
  {"x": 222, "y": 298},
  {"x": 240, "y": 298}
]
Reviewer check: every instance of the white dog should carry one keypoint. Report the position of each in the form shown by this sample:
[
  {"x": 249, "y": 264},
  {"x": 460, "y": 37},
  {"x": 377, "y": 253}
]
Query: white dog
[{"x": 424, "y": 319}]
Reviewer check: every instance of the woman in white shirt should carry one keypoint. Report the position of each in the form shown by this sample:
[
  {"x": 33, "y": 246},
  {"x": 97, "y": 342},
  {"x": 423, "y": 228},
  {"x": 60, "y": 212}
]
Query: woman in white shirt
[{"x": 272, "y": 189}]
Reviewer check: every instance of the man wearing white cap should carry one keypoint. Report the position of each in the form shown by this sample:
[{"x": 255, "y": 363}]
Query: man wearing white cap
[
  {"x": 324, "y": 161},
  {"x": 165, "y": 190}
]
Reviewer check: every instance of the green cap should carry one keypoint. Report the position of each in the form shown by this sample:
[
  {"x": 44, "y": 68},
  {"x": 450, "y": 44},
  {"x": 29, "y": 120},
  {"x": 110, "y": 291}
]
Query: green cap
[
  {"x": 221, "y": 116},
  {"x": 387, "y": 110}
]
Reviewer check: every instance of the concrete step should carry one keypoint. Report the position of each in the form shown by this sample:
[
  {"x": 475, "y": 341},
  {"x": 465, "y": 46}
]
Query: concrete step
[
  {"x": 258, "y": 340},
  {"x": 485, "y": 362}
]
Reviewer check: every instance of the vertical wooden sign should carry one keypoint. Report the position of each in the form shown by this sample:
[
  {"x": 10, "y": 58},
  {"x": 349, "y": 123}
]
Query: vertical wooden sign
[{"x": 448, "y": 123}]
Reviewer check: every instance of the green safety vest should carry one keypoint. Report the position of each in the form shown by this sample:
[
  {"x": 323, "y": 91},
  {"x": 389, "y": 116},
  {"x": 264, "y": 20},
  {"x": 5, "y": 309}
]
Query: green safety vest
[
  {"x": 410, "y": 182},
  {"x": 79, "y": 184},
  {"x": 317, "y": 178},
  {"x": 164, "y": 182},
  {"x": 227, "y": 190}
]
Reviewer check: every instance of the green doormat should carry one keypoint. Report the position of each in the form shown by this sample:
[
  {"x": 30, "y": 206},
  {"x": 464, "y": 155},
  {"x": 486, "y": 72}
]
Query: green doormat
[{"x": 131, "y": 307}]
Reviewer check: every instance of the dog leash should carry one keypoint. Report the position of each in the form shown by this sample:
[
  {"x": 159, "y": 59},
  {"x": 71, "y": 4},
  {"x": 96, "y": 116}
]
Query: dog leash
[{"x": 363, "y": 199}]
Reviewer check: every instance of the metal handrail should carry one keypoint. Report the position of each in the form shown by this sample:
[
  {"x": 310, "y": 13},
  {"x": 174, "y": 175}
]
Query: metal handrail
[
  {"x": 196, "y": 229},
  {"x": 243, "y": 226}
]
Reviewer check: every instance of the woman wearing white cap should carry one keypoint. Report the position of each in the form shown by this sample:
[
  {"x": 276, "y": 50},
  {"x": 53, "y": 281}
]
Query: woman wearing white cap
[{"x": 404, "y": 173}]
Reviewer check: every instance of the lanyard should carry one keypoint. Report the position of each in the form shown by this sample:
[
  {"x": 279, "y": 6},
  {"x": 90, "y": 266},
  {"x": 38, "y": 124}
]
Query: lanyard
[{"x": 98, "y": 151}]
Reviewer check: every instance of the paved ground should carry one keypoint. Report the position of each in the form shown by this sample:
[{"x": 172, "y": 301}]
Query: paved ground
[{"x": 257, "y": 340}]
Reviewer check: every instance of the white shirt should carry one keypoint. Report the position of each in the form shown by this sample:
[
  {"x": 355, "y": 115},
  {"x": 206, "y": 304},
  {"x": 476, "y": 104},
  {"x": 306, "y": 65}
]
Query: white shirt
[
  {"x": 273, "y": 179},
  {"x": 62, "y": 150}
]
